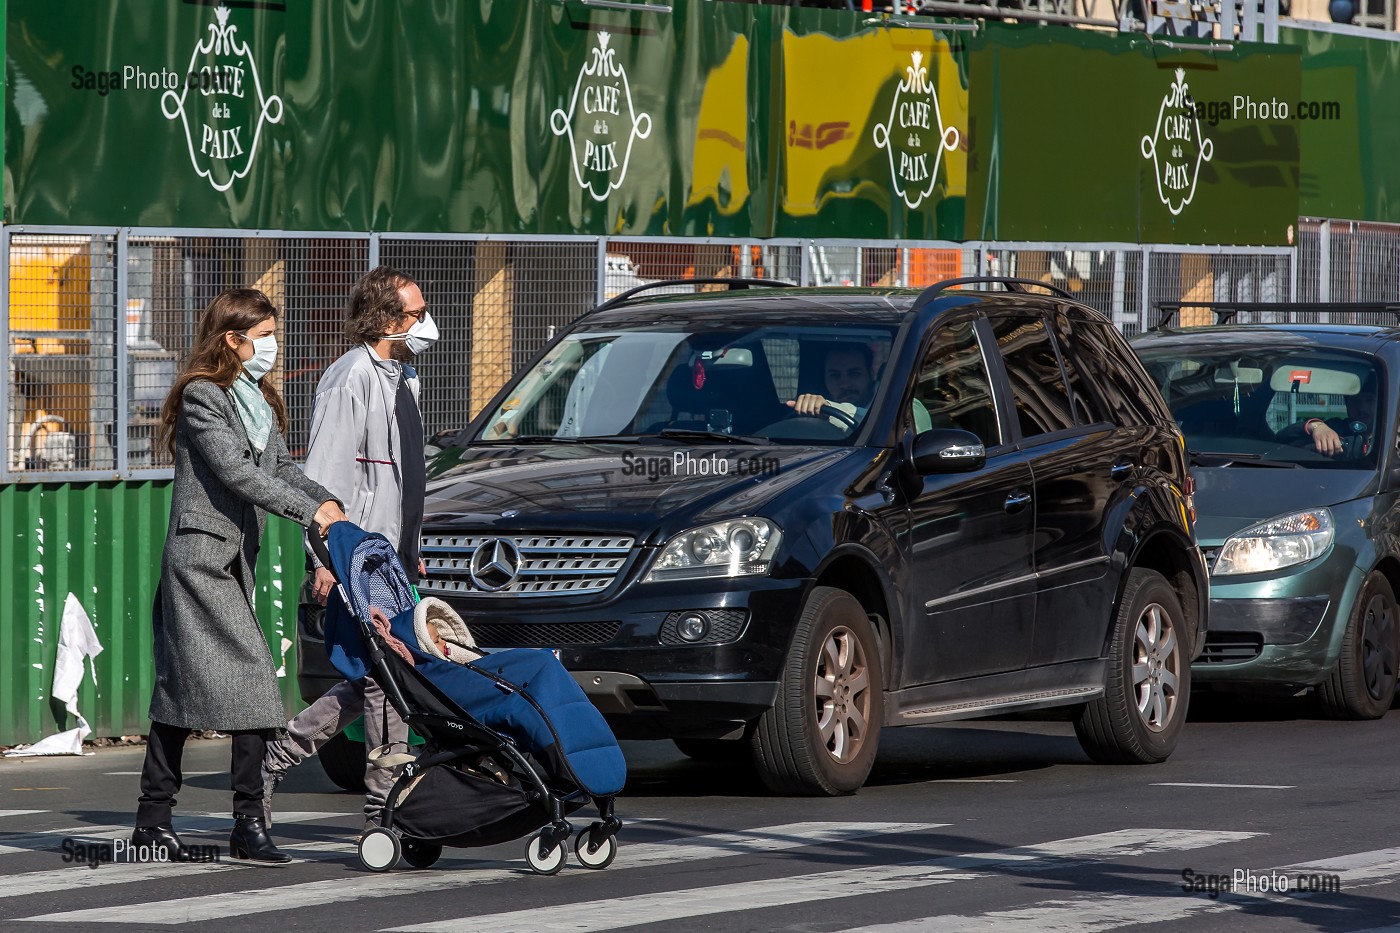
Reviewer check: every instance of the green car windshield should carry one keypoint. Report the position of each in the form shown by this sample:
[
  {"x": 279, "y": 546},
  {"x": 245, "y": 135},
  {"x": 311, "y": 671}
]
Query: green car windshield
[
  {"x": 705, "y": 377},
  {"x": 1292, "y": 407}
]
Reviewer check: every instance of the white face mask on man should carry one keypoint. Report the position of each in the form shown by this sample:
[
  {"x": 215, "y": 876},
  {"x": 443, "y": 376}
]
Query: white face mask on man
[
  {"x": 264, "y": 356},
  {"x": 421, "y": 336}
]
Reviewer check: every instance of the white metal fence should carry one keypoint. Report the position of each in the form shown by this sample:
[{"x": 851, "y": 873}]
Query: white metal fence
[{"x": 99, "y": 318}]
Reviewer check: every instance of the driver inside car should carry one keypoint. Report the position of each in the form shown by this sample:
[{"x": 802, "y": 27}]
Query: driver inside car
[
  {"x": 1346, "y": 438},
  {"x": 850, "y": 384},
  {"x": 1351, "y": 435}
]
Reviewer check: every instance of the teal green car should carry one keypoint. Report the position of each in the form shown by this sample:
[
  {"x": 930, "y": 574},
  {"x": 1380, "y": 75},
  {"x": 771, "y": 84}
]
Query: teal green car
[{"x": 1292, "y": 436}]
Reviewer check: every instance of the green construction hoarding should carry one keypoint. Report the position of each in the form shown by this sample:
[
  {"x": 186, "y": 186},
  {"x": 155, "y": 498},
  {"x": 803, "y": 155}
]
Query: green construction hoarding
[{"x": 716, "y": 119}]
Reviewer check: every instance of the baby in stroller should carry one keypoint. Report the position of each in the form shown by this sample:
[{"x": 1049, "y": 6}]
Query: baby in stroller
[{"x": 512, "y": 742}]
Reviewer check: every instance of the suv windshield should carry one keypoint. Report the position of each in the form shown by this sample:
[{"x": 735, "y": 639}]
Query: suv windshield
[
  {"x": 1295, "y": 407},
  {"x": 808, "y": 383}
]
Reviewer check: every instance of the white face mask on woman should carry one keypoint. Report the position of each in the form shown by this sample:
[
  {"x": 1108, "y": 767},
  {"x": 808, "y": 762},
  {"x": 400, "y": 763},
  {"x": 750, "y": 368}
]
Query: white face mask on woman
[
  {"x": 422, "y": 335},
  {"x": 264, "y": 356}
]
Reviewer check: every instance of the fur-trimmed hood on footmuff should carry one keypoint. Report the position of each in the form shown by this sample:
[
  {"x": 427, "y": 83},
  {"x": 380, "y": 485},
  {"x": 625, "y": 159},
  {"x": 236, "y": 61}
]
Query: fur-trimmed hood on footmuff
[{"x": 451, "y": 629}]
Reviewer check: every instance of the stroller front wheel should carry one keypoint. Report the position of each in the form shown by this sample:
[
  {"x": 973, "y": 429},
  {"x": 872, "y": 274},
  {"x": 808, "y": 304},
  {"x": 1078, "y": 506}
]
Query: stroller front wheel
[
  {"x": 380, "y": 849},
  {"x": 590, "y": 857},
  {"x": 546, "y": 863}
]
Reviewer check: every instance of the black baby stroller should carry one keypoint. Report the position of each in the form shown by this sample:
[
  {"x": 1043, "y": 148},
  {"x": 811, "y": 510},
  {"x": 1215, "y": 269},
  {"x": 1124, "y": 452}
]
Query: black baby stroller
[{"x": 512, "y": 743}]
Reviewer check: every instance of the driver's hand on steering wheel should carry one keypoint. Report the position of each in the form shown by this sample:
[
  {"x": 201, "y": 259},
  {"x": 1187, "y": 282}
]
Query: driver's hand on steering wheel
[
  {"x": 1325, "y": 440},
  {"x": 810, "y": 404}
]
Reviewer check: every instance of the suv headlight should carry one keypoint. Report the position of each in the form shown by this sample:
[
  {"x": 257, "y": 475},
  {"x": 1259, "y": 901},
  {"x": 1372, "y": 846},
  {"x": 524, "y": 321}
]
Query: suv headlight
[
  {"x": 737, "y": 548},
  {"x": 1276, "y": 543}
]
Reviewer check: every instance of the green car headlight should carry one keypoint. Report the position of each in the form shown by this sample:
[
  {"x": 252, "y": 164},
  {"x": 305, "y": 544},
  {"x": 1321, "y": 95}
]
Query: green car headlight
[
  {"x": 735, "y": 548},
  {"x": 1276, "y": 543}
]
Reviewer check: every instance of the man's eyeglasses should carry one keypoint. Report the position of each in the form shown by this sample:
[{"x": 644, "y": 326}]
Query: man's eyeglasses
[{"x": 417, "y": 315}]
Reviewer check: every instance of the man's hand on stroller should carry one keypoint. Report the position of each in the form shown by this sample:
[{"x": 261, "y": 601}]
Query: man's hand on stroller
[{"x": 321, "y": 585}]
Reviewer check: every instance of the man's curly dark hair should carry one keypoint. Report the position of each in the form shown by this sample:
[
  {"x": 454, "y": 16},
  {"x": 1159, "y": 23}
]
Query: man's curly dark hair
[{"x": 375, "y": 304}]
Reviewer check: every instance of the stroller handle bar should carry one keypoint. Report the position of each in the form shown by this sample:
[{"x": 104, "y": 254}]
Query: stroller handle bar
[{"x": 386, "y": 681}]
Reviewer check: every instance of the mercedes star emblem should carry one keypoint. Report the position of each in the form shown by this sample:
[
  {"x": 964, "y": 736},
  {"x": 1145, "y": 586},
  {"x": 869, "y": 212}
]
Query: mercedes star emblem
[{"x": 495, "y": 564}]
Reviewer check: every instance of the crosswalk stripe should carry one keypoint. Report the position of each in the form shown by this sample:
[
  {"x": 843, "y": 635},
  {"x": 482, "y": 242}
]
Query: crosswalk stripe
[
  {"x": 51, "y": 839},
  {"x": 1113, "y": 910},
  {"x": 109, "y": 873},
  {"x": 4, "y": 813},
  {"x": 852, "y": 882},
  {"x": 362, "y": 886}
]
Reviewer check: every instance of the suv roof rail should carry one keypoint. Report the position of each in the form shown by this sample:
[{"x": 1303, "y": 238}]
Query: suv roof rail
[
  {"x": 733, "y": 283},
  {"x": 1011, "y": 283},
  {"x": 1225, "y": 311}
]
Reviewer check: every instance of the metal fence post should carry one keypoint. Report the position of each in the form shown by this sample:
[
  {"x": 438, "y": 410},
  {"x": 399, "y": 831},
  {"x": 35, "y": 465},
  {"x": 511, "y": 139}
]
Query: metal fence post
[
  {"x": 121, "y": 375},
  {"x": 1147, "y": 322},
  {"x": 602, "y": 289},
  {"x": 5, "y": 364},
  {"x": 1324, "y": 262},
  {"x": 804, "y": 248},
  {"x": 373, "y": 258}
]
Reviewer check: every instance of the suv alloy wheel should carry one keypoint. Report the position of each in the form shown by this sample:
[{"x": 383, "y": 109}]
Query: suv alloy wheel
[
  {"x": 1143, "y": 707},
  {"x": 822, "y": 734}
]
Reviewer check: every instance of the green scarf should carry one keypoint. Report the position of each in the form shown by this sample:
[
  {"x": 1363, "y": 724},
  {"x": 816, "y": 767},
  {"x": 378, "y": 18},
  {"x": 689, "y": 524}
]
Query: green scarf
[{"x": 252, "y": 407}]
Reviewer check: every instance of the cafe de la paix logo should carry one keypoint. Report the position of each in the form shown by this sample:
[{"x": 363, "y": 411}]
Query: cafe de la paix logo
[
  {"x": 221, "y": 105},
  {"x": 914, "y": 137},
  {"x": 1176, "y": 147},
  {"x": 602, "y": 123}
]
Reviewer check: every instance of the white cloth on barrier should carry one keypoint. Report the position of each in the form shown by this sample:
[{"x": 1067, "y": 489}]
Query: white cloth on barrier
[{"x": 77, "y": 642}]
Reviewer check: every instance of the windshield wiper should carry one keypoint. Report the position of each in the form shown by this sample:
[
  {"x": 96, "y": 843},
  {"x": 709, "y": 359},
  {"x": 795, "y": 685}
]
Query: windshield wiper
[
  {"x": 1243, "y": 459},
  {"x": 533, "y": 439},
  {"x": 566, "y": 439},
  {"x": 690, "y": 434}
]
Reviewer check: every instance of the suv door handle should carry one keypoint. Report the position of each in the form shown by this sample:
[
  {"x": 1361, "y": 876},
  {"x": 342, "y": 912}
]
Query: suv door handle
[
  {"x": 1017, "y": 500},
  {"x": 1121, "y": 470}
]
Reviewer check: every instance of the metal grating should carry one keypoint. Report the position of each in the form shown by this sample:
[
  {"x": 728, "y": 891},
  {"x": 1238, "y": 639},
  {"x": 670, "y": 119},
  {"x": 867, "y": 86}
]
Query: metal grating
[
  {"x": 61, "y": 393},
  {"x": 543, "y": 634},
  {"x": 551, "y": 565},
  {"x": 1231, "y": 647}
]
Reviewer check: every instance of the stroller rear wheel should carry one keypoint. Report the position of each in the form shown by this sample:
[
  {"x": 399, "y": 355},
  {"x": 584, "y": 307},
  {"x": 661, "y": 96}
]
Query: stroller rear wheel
[
  {"x": 380, "y": 849},
  {"x": 421, "y": 854},
  {"x": 590, "y": 857},
  {"x": 546, "y": 863}
]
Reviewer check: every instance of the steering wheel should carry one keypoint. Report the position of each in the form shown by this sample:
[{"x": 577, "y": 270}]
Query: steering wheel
[{"x": 840, "y": 414}]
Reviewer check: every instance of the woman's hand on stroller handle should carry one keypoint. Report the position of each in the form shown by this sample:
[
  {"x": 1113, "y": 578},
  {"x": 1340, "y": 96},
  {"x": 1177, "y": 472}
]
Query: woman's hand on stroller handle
[{"x": 327, "y": 515}]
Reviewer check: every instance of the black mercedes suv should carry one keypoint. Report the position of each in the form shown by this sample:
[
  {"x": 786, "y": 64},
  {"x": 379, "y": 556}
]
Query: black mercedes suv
[{"x": 771, "y": 521}]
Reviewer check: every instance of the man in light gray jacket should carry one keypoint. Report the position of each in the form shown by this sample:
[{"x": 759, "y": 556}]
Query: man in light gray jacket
[{"x": 366, "y": 448}]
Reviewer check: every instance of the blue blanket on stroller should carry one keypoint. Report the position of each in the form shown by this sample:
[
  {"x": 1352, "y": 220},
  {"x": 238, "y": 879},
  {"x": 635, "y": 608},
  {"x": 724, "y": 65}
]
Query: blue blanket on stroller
[{"x": 548, "y": 708}]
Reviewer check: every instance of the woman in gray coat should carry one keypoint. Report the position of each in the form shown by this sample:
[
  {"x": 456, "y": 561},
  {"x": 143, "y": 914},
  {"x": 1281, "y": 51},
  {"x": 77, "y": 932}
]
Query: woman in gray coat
[{"x": 223, "y": 424}]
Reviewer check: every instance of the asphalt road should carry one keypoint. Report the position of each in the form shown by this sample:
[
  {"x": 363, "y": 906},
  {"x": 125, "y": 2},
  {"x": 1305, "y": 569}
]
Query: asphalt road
[{"x": 986, "y": 825}]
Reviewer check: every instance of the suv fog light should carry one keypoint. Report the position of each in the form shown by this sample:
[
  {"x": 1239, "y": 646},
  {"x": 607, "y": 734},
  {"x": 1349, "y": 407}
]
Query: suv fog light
[{"x": 693, "y": 626}]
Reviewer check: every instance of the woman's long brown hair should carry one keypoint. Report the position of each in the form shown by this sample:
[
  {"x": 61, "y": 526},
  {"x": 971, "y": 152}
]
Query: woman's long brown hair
[{"x": 238, "y": 310}]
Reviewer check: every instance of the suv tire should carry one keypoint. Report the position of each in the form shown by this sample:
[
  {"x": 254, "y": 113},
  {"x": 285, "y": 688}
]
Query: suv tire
[
  {"x": 1362, "y": 684},
  {"x": 1148, "y": 684},
  {"x": 823, "y": 741}
]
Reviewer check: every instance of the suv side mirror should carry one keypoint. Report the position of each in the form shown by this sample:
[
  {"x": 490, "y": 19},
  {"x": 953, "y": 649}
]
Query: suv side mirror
[{"x": 948, "y": 450}]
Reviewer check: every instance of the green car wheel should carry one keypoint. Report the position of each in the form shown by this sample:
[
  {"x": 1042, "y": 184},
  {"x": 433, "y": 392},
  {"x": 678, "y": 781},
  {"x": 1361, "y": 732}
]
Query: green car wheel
[{"x": 1362, "y": 685}]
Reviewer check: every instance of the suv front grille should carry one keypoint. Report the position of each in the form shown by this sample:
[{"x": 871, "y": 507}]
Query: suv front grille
[
  {"x": 550, "y": 565},
  {"x": 1231, "y": 647},
  {"x": 542, "y": 634},
  {"x": 1210, "y": 554}
]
